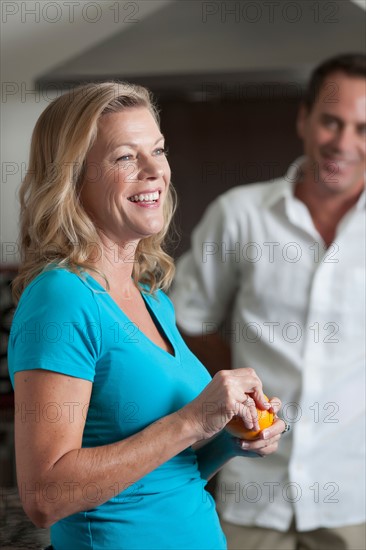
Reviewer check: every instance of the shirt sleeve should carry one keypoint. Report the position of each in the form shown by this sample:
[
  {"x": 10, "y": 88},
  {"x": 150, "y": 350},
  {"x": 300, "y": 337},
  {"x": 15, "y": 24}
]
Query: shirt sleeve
[
  {"x": 56, "y": 327},
  {"x": 207, "y": 276}
]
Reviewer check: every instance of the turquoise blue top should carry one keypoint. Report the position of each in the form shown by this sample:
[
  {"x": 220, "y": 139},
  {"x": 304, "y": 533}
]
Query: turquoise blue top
[{"x": 68, "y": 324}]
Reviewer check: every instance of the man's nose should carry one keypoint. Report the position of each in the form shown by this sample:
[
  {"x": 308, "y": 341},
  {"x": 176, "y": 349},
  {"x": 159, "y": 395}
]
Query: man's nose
[{"x": 345, "y": 139}]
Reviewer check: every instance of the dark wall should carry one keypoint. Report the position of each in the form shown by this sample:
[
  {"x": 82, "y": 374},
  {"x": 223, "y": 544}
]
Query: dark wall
[{"x": 216, "y": 145}]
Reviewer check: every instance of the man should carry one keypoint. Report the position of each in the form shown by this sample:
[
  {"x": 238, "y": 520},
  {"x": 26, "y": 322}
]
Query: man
[{"x": 286, "y": 262}]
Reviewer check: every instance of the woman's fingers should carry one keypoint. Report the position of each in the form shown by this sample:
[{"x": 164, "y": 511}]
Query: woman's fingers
[
  {"x": 230, "y": 393},
  {"x": 252, "y": 385},
  {"x": 267, "y": 441},
  {"x": 257, "y": 444},
  {"x": 248, "y": 412},
  {"x": 261, "y": 446},
  {"x": 275, "y": 404},
  {"x": 248, "y": 379},
  {"x": 276, "y": 429},
  {"x": 269, "y": 449}
]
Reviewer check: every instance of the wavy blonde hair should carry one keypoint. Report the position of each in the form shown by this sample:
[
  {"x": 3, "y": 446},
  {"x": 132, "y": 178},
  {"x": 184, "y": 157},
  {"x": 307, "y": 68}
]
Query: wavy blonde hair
[{"x": 54, "y": 226}]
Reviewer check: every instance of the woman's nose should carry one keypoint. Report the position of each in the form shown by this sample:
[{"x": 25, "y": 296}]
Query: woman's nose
[{"x": 150, "y": 167}]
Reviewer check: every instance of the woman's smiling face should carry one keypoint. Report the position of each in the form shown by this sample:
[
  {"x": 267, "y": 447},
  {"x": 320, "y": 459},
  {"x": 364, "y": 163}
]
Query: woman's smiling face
[{"x": 127, "y": 176}]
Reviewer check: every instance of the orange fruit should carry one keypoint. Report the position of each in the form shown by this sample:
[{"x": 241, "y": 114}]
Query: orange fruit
[{"x": 237, "y": 427}]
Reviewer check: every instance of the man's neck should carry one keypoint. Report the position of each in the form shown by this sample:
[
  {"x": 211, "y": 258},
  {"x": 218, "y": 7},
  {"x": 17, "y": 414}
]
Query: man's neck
[{"x": 326, "y": 209}]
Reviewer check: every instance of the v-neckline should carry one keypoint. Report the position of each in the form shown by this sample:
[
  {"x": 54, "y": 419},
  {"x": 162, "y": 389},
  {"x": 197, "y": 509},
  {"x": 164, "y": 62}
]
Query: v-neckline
[{"x": 154, "y": 318}]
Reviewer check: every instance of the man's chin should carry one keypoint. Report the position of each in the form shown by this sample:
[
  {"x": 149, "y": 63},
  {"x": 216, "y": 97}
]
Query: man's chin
[{"x": 336, "y": 184}]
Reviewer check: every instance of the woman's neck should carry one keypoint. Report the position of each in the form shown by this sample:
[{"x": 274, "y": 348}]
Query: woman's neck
[{"x": 116, "y": 261}]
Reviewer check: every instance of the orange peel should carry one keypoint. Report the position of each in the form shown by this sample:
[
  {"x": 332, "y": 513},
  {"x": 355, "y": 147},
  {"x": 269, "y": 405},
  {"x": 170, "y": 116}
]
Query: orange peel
[{"x": 237, "y": 427}]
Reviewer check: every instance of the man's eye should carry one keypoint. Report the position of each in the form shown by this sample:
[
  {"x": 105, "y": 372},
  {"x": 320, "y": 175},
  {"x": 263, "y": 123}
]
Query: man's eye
[{"x": 330, "y": 123}]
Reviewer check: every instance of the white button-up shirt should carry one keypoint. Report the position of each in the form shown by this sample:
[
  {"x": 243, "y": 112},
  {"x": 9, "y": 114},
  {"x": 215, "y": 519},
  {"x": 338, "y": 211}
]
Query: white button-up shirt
[{"x": 297, "y": 313}]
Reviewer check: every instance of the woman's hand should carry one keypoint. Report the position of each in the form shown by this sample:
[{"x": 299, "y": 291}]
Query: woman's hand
[
  {"x": 213, "y": 453},
  {"x": 267, "y": 441},
  {"x": 230, "y": 393}
]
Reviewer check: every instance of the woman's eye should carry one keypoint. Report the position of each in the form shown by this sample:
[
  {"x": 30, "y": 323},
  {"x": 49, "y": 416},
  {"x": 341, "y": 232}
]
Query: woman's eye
[
  {"x": 161, "y": 151},
  {"x": 125, "y": 158}
]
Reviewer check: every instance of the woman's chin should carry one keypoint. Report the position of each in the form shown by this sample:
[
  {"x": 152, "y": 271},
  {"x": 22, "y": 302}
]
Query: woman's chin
[
  {"x": 154, "y": 227},
  {"x": 149, "y": 230}
]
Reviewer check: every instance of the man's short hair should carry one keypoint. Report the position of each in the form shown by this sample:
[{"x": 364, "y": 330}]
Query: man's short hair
[{"x": 351, "y": 64}]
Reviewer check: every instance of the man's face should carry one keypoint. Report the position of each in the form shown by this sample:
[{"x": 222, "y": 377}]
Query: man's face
[{"x": 334, "y": 134}]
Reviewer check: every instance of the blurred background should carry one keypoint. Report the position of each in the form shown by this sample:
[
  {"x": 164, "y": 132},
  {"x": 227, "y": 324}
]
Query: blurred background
[{"x": 228, "y": 78}]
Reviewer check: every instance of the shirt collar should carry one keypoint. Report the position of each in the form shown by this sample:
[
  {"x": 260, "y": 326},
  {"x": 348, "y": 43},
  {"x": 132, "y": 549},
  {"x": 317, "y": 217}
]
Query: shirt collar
[
  {"x": 284, "y": 188},
  {"x": 361, "y": 203}
]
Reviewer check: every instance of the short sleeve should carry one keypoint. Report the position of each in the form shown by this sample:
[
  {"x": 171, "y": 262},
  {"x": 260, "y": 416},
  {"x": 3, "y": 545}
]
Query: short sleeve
[
  {"x": 56, "y": 327},
  {"x": 207, "y": 276}
]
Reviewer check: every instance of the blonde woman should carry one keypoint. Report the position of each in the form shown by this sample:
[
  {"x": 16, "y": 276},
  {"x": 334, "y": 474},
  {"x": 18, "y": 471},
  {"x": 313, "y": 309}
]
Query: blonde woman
[{"x": 118, "y": 426}]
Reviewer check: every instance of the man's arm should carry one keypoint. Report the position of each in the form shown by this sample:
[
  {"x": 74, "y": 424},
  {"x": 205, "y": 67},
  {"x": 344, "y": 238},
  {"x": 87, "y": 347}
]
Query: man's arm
[{"x": 211, "y": 350}]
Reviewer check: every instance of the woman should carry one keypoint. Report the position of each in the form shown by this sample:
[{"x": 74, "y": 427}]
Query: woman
[{"x": 118, "y": 425}]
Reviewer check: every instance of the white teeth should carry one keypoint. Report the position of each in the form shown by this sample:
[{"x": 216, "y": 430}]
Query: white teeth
[{"x": 148, "y": 197}]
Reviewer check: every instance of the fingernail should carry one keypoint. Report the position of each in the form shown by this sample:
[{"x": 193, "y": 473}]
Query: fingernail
[
  {"x": 265, "y": 434},
  {"x": 244, "y": 445}
]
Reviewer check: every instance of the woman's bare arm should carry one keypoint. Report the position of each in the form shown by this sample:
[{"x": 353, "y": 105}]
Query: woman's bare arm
[{"x": 56, "y": 475}]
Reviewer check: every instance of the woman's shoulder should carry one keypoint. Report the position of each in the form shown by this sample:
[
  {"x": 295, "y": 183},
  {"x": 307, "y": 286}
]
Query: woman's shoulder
[
  {"x": 58, "y": 286},
  {"x": 52, "y": 277}
]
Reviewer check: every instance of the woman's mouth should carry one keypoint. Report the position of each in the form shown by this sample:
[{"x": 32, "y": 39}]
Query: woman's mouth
[{"x": 145, "y": 198}]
